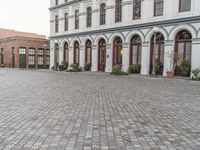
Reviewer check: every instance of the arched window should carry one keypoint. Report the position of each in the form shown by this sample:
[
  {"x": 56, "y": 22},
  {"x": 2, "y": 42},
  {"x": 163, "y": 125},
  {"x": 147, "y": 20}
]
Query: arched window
[
  {"x": 157, "y": 53},
  {"x": 66, "y": 22},
  {"x": 183, "y": 46},
  {"x": 56, "y": 54},
  {"x": 66, "y": 52},
  {"x": 118, "y": 10},
  {"x": 76, "y": 53},
  {"x": 102, "y": 55},
  {"x": 117, "y": 51},
  {"x": 88, "y": 52},
  {"x": 102, "y": 14},
  {"x": 135, "y": 50},
  {"x": 56, "y": 23},
  {"x": 76, "y": 19},
  {"x": 136, "y": 9},
  {"x": 89, "y": 17},
  {"x": 184, "y": 5},
  {"x": 158, "y": 7}
]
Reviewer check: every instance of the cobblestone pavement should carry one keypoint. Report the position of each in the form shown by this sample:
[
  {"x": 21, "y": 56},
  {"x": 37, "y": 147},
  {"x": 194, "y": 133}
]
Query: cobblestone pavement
[{"x": 83, "y": 111}]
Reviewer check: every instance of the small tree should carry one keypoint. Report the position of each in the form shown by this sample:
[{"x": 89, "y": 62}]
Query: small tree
[{"x": 173, "y": 59}]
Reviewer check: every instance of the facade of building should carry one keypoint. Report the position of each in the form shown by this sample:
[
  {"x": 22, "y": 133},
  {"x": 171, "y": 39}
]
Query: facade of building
[
  {"x": 23, "y": 50},
  {"x": 105, "y": 33}
]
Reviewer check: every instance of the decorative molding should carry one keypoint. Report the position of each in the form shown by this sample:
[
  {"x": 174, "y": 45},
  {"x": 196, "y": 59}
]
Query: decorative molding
[
  {"x": 133, "y": 27},
  {"x": 127, "y": 3},
  {"x": 110, "y": 7}
]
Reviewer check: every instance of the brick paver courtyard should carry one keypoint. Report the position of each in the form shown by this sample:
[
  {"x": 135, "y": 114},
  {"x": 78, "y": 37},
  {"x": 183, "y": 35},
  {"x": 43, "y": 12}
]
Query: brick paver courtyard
[{"x": 87, "y": 111}]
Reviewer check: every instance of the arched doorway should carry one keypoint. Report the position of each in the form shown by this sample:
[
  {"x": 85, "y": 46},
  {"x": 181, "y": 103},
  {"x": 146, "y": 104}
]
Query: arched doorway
[
  {"x": 56, "y": 55},
  {"x": 135, "y": 54},
  {"x": 65, "y": 56},
  {"x": 102, "y": 55},
  {"x": 117, "y": 51},
  {"x": 157, "y": 53},
  {"x": 66, "y": 52},
  {"x": 88, "y": 55},
  {"x": 76, "y": 53},
  {"x": 183, "y": 48}
]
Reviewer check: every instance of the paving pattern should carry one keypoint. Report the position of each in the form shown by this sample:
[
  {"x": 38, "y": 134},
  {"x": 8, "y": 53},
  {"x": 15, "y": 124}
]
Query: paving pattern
[{"x": 95, "y": 111}]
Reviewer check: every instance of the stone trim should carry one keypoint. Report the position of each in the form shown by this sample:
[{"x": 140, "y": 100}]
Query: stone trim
[{"x": 134, "y": 26}]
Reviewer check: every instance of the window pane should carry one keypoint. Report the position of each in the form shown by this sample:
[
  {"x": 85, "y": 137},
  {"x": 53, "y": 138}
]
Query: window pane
[
  {"x": 158, "y": 7},
  {"x": 136, "y": 9},
  {"x": 185, "y": 5}
]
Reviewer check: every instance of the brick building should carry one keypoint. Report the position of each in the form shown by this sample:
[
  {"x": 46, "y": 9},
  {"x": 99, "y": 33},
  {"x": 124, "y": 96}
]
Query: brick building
[{"x": 23, "y": 50}]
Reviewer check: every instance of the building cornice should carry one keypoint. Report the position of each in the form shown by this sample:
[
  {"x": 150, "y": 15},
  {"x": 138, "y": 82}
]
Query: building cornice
[{"x": 64, "y": 4}]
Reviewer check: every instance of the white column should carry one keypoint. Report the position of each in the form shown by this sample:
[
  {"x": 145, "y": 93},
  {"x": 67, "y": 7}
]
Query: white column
[
  {"x": 167, "y": 51},
  {"x": 108, "y": 58},
  {"x": 51, "y": 54},
  {"x": 82, "y": 57},
  {"x": 195, "y": 54},
  {"x": 125, "y": 57},
  {"x": 71, "y": 56},
  {"x": 145, "y": 59},
  {"x": 94, "y": 58}
]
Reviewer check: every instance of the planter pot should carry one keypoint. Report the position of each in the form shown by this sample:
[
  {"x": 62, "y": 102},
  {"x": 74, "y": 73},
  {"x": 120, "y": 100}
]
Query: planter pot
[
  {"x": 60, "y": 67},
  {"x": 170, "y": 74}
]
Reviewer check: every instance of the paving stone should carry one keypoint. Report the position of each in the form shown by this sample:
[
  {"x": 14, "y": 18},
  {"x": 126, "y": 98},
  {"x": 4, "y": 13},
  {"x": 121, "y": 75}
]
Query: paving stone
[{"x": 95, "y": 111}]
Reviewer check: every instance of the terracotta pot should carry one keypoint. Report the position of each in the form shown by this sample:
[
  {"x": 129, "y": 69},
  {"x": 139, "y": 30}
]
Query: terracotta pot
[{"x": 170, "y": 74}]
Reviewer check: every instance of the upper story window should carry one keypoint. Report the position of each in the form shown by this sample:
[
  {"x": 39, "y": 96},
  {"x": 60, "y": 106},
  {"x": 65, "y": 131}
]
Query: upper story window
[
  {"x": 89, "y": 17},
  {"x": 184, "y": 5},
  {"x": 102, "y": 14},
  {"x": 158, "y": 7},
  {"x": 66, "y": 22},
  {"x": 118, "y": 10},
  {"x": 56, "y": 2},
  {"x": 76, "y": 19},
  {"x": 136, "y": 9},
  {"x": 56, "y": 23}
]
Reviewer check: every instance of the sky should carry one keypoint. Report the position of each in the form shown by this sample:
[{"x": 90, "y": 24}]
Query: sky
[{"x": 25, "y": 15}]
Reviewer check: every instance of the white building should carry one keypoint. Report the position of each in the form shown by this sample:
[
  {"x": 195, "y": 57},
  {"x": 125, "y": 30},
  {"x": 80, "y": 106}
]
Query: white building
[{"x": 105, "y": 33}]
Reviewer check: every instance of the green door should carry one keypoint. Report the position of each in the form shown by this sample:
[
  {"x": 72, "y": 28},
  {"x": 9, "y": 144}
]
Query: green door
[{"x": 22, "y": 58}]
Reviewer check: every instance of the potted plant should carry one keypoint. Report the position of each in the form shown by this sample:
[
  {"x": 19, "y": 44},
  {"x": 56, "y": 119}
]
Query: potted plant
[
  {"x": 184, "y": 67},
  {"x": 87, "y": 67},
  {"x": 173, "y": 58},
  {"x": 196, "y": 74},
  {"x": 65, "y": 64},
  {"x": 135, "y": 68},
  {"x": 117, "y": 70}
]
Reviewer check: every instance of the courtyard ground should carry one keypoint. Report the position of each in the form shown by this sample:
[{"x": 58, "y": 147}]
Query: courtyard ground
[{"x": 96, "y": 111}]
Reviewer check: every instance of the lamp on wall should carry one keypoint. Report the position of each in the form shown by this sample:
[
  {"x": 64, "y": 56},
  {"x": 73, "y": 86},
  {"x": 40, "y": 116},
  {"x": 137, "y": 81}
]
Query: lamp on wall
[{"x": 155, "y": 30}]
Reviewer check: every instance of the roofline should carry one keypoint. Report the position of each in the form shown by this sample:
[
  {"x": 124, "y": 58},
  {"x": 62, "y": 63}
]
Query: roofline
[{"x": 64, "y": 4}]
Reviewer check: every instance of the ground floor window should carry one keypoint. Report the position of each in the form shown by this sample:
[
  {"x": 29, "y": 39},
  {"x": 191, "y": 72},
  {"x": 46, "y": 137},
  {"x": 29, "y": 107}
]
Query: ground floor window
[
  {"x": 48, "y": 57},
  {"x": 40, "y": 57},
  {"x": 183, "y": 48},
  {"x": 135, "y": 51},
  {"x": 76, "y": 53},
  {"x": 102, "y": 55},
  {"x": 117, "y": 51},
  {"x": 66, "y": 52},
  {"x": 31, "y": 57},
  {"x": 157, "y": 53}
]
